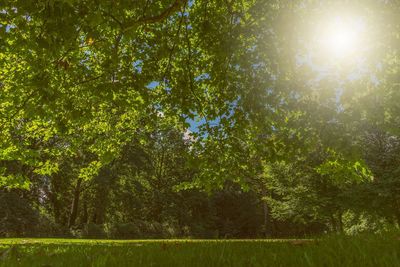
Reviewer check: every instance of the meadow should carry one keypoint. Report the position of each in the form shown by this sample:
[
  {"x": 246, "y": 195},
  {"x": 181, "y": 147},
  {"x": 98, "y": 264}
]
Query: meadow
[{"x": 364, "y": 250}]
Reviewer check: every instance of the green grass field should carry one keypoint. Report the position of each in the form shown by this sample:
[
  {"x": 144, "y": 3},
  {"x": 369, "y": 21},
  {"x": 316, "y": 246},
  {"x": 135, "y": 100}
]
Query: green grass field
[{"x": 330, "y": 251}]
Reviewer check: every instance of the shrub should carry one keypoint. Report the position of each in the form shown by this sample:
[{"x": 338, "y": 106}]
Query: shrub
[
  {"x": 124, "y": 231},
  {"x": 48, "y": 228},
  {"x": 92, "y": 230},
  {"x": 142, "y": 229},
  {"x": 17, "y": 216}
]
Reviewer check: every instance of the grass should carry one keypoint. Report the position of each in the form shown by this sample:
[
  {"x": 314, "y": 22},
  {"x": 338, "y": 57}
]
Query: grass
[{"x": 366, "y": 250}]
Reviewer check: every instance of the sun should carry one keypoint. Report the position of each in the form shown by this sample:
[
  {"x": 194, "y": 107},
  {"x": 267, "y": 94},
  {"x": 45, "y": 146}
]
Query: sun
[
  {"x": 342, "y": 37},
  {"x": 341, "y": 41}
]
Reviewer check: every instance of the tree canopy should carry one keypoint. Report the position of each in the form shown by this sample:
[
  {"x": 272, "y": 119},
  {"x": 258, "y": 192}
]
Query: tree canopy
[{"x": 152, "y": 102}]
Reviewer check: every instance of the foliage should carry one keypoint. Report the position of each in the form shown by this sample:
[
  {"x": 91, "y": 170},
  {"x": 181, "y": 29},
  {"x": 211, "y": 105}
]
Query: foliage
[
  {"x": 196, "y": 118},
  {"x": 18, "y": 218}
]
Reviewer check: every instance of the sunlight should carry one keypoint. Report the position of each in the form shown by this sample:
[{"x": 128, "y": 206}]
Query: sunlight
[{"x": 341, "y": 37}]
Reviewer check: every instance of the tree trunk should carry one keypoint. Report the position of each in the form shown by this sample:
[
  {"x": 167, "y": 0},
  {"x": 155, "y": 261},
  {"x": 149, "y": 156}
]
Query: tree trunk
[
  {"x": 75, "y": 204},
  {"x": 397, "y": 215},
  {"x": 337, "y": 222},
  {"x": 267, "y": 232},
  {"x": 85, "y": 211},
  {"x": 56, "y": 207},
  {"x": 333, "y": 223},
  {"x": 340, "y": 222},
  {"x": 397, "y": 212},
  {"x": 267, "y": 220}
]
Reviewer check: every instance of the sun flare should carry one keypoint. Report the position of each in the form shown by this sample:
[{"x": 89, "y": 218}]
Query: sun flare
[{"x": 341, "y": 37}]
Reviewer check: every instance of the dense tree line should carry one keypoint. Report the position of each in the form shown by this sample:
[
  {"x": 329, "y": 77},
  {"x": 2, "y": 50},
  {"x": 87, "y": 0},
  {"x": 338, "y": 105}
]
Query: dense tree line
[
  {"x": 98, "y": 98},
  {"x": 141, "y": 194}
]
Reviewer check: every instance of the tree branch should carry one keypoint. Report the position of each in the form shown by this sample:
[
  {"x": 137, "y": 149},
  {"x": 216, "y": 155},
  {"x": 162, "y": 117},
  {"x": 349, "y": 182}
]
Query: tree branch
[
  {"x": 22, "y": 106},
  {"x": 176, "y": 6}
]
